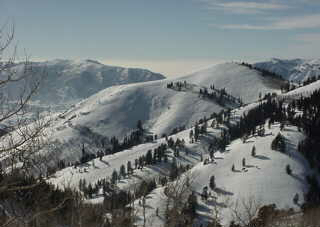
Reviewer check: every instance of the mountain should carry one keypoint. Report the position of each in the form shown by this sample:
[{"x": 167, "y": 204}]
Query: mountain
[
  {"x": 69, "y": 81},
  {"x": 115, "y": 111},
  {"x": 262, "y": 181},
  {"x": 296, "y": 70}
]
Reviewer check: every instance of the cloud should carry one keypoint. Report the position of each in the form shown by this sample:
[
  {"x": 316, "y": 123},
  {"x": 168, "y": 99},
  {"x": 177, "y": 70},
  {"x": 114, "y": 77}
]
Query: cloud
[
  {"x": 285, "y": 23},
  {"x": 244, "y": 7}
]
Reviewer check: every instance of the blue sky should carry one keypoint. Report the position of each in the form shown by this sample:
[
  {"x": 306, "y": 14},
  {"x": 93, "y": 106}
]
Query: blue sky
[{"x": 173, "y": 37}]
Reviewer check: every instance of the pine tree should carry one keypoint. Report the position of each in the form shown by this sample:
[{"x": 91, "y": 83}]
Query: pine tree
[
  {"x": 139, "y": 125},
  {"x": 136, "y": 163},
  {"x": 253, "y": 151},
  {"x": 129, "y": 168},
  {"x": 196, "y": 132},
  {"x": 123, "y": 171},
  {"x": 191, "y": 134},
  {"x": 174, "y": 169},
  {"x": 211, "y": 154},
  {"x": 243, "y": 162},
  {"x": 149, "y": 157},
  {"x": 114, "y": 177},
  {"x": 212, "y": 183},
  {"x": 90, "y": 191},
  {"x": 288, "y": 169}
]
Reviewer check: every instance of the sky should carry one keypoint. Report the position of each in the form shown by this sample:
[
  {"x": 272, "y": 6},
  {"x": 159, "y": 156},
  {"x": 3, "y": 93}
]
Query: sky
[{"x": 173, "y": 37}]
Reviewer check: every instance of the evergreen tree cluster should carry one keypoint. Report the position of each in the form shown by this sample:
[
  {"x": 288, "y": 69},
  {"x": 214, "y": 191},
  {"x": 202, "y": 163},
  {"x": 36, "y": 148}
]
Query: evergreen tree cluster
[
  {"x": 219, "y": 96},
  {"x": 177, "y": 85},
  {"x": 253, "y": 121},
  {"x": 264, "y": 72}
]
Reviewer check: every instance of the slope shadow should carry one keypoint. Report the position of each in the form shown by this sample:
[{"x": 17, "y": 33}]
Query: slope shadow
[{"x": 262, "y": 157}]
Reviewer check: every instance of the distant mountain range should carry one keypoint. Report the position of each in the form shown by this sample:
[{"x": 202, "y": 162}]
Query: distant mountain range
[
  {"x": 69, "y": 81},
  {"x": 296, "y": 70}
]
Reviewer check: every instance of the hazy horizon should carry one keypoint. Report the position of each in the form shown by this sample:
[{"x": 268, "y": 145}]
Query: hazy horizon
[{"x": 170, "y": 37}]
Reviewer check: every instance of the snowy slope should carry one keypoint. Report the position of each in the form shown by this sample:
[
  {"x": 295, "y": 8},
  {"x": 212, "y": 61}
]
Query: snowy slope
[
  {"x": 293, "y": 70},
  {"x": 68, "y": 81},
  {"x": 116, "y": 110},
  {"x": 102, "y": 169},
  {"x": 238, "y": 81},
  {"x": 302, "y": 91},
  {"x": 263, "y": 180}
]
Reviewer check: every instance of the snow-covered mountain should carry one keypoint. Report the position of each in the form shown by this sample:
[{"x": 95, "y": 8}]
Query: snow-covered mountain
[
  {"x": 115, "y": 111},
  {"x": 294, "y": 70},
  {"x": 263, "y": 178},
  {"x": 69, "y": 81}
]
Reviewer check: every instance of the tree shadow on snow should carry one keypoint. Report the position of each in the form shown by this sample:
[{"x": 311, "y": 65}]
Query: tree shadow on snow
[
  {"x": 236, "y": 171},
  {"x": 262, "y": 157},
  {"x": 249, "y": 141},
  {"x": 295, "y": 176},
  {"x": 105, "y": 162},
  {"x": 249, "y": 166},
  {"x": 215, "y": 203},
  {"x": 203, "y": 208},
  {"x": 222, "y": 191}
]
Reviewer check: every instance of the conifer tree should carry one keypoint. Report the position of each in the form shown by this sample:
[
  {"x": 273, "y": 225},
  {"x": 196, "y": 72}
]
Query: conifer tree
[
  {"x": 149, "y": 157},
  {"x": 123, "y": 171},
  {"x": 196, "y": 132},
  {"x": 243, "y": 162},
  {"x": 212, "y": 183},
  {"x": 288, "y": 169},
  {"x": 114, "y": 177},
  {"x": 253, "y": 151},
  {"x": 129, "y": 168}
]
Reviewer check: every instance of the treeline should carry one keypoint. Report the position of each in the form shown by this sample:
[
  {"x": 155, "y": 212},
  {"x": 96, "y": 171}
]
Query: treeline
[
  {"x": 220, "y": 96},
  {"x": 264, "y": 72},
  {"x": 136, "y": 137}
]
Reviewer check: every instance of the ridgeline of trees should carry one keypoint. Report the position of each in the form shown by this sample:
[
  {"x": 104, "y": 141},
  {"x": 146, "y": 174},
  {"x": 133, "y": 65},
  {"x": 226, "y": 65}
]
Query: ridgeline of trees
[{"x": 220, "y": 96}]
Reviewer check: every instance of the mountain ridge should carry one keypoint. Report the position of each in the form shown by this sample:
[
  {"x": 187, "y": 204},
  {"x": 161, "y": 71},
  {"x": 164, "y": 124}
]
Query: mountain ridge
[{"x": 296, "y": 70}]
